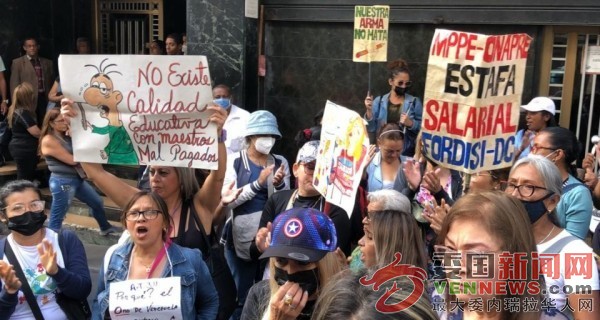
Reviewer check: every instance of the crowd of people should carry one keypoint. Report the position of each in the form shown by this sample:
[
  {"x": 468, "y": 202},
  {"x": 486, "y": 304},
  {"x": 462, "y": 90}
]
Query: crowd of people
[{"x": 246, "y": 241}]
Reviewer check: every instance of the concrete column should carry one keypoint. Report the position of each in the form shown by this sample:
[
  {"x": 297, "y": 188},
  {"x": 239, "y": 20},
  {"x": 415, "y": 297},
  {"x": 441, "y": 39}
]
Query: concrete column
[{"x": 219, "y": 30}]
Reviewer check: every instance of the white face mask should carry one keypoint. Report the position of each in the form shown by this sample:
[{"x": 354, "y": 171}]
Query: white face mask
[{"x": 264, "y": 144}]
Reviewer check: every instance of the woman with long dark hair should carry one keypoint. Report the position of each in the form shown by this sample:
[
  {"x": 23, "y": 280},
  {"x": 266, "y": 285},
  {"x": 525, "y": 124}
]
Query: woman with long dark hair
[
  {"x": 67, "y": 176},
  {"x": 396, "y": 106}
]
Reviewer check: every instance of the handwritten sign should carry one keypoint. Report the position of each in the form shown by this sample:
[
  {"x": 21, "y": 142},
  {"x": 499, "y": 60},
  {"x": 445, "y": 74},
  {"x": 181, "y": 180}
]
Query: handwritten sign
[
  {"x": 472, "y": 98},
  {"x": 146, "y": 299},
  {"x": 342, "y": 156},
  {"x": 140, "y": 109},
  {"x": 370, "y": 33}
]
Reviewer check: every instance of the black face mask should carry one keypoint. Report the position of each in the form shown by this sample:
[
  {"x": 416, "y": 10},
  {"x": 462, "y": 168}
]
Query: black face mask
[
  {"x": 400, "y": 91},
  {"x": 308, "y": 279},
  {"x": 28, "y": 223},
  {"x": 536, "y": 209}
]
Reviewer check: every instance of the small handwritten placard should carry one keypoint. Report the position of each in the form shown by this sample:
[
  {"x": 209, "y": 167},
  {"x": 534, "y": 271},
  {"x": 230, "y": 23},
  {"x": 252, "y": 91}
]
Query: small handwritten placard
[{"x": 157, "y": 299}]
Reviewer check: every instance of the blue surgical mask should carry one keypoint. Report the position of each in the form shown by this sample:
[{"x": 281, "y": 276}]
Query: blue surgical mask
[
  {"x": 536, "y": 209},
  {"x": 225, "y": 103}
]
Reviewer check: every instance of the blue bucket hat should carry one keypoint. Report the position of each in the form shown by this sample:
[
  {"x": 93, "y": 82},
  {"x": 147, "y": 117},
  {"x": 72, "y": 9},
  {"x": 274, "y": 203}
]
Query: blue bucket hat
[
  {"x": 262, "y": 122},
  {"x": 302, "y": 234}
]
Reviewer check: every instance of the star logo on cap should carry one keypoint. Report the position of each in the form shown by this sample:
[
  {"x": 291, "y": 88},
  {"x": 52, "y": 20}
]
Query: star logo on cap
[{"x": 293, "y": 228}]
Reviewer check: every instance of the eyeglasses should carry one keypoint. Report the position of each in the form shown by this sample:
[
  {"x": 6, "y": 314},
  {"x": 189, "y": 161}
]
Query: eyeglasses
[
  {"x": 535, "y": 148},
  {"x": 309, "y": 168},
  {"x": 20, "y": 208},
  {"x": 404, "y": 83},
  {"x": 147, "y": 214},
  {"x": 525, "y": 190}
]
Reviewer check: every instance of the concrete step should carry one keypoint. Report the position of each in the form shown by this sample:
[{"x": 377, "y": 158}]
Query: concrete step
[
  {"x": 8, "y": 172},
  {"x": 87, "y": 229}
]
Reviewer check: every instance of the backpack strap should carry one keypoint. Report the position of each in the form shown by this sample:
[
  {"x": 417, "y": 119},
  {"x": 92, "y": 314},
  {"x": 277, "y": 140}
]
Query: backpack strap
[
  {"x": 560, "y": 244},
  {"x": 571, "y": 186}
]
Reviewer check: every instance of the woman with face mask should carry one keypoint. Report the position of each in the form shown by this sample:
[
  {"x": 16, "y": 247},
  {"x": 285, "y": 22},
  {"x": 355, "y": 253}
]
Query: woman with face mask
[
  {"x": 537, "y": 183},
  {"x": 302, "y": 261},
  {"x": 258, "y": 174},
  {"x": 53, "y": 265},
  {"x": 397, "y": 106},
  {"x": 574, "y": 210}
]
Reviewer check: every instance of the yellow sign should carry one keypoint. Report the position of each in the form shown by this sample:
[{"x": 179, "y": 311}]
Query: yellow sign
[{"x": 370, "y": 33}]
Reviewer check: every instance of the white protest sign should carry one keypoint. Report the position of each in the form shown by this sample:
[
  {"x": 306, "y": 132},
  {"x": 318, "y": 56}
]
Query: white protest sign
[
  {"x": 158, "y": 299},
  {"x": 472, "y": 98},
  {"x": 342, "y": 156},
  {"x": 135, "y": 109}
]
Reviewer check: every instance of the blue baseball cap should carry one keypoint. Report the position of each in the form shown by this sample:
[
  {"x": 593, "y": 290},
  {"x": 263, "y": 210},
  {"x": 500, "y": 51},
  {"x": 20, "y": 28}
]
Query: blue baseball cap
[
  {"x": 302, "y": 234},
  {"x": 262, "y": 122}
]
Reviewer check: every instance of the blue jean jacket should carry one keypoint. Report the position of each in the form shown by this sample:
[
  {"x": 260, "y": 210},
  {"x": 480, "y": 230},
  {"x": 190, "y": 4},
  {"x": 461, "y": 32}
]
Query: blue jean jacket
[
  {"x": 412, "y": 105},
  {"x": 199, "y": 299}
]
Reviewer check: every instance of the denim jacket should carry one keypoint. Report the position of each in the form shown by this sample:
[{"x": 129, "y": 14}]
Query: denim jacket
[
  {"x": 199, "y": 299},
  {"x": 380, "y": 108},
  {"x": 375, "y": 179}
]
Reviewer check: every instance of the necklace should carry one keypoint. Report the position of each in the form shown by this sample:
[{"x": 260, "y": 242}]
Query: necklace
[
  {"x": 549, "y": 233},
  {"x": 146, "y": 266}
]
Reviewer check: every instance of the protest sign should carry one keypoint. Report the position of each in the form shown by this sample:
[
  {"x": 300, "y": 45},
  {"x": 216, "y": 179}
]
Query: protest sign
[
  {"x": 370, "y": 33},
  {"x": 157, "y": 298},
  {"x": 135, "y": 109},
  {"x": 342, "y": 156},
  {"x": 472, "y": 99}
]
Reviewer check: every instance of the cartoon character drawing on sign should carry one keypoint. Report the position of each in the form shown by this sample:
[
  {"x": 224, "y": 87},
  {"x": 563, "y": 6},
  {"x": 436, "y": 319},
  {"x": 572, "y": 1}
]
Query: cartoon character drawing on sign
[
  {"x": 350, "y": 158},
  {"x": 101, "y": 94}
]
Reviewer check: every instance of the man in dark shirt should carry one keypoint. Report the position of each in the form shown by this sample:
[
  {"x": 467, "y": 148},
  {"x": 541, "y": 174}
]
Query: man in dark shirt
[{"x": 305, "y": 196}]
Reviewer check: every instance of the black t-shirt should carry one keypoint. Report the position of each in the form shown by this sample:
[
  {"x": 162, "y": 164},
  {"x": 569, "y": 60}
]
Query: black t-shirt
[
  {"x": 278, "y": 202},
  {"x": 21, "y": 138}
]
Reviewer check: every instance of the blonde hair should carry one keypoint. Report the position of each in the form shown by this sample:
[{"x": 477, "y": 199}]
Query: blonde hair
[
  {"x": 397, "y": 231},
  {"x": 23, "y": 98},
  {"x": 328, "y": 267},
  {"x": 506, "y": 220}
]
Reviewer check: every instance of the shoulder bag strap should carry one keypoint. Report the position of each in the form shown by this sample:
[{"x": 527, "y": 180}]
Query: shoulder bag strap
[
  {"x": 35, "y": 308},
  {"x": 571, "y": 186}
]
